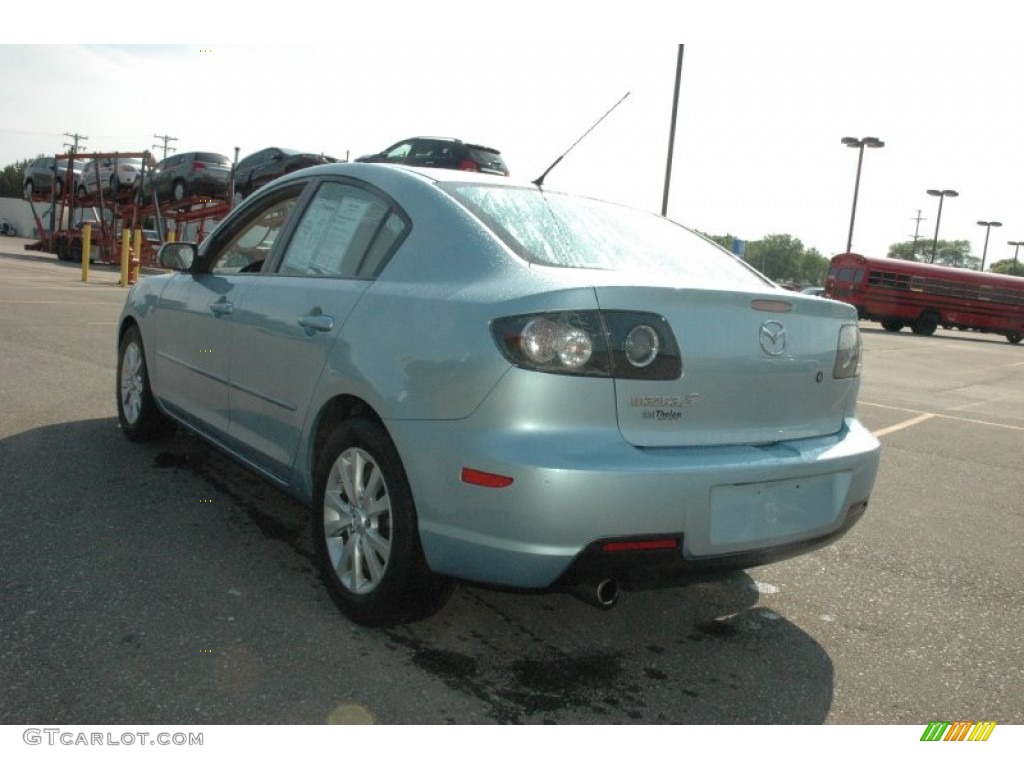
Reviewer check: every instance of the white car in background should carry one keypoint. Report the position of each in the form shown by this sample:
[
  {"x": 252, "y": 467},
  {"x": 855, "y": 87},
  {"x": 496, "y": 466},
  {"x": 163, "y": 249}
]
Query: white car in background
[{"x": 110, "y": 175}]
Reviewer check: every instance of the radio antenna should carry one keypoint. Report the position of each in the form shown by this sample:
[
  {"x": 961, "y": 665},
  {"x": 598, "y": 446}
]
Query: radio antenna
[{"x": 540, "y": 179}]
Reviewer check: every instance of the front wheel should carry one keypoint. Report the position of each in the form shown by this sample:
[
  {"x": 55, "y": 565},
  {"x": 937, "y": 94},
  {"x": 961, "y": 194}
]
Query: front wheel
[
  {"x": 925, "y": 325},
  {"x": 365, "y": 531},
  {"x": 137, "y": 411},
  {"x": 1014, "y": 337},
  {"x": 179, "y": 191},
  {"x": 893, "y": 326}
]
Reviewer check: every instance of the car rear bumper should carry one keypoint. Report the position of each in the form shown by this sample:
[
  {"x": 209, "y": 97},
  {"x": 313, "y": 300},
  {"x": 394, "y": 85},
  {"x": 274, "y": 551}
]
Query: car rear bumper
[{"x": 725, "y": 507}]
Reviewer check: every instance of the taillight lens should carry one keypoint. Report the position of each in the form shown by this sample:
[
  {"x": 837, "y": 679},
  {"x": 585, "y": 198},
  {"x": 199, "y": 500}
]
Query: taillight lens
[
  {"x": 468, "y": 165},
  {"x": 847, "y": 353},
  {"x": 610, "y": 343}
]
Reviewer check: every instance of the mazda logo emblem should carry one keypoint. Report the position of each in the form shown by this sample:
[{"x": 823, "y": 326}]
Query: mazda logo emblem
[{"x": 773, "y": 338}]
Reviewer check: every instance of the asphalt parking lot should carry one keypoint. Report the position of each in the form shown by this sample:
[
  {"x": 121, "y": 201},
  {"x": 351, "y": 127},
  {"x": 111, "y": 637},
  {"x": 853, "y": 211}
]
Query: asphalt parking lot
[{"x": 164, "y": 584}]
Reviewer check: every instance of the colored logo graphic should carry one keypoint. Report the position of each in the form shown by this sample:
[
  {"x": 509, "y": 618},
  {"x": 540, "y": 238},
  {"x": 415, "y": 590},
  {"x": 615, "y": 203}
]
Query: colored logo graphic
[{"x": 958, "y": 730}]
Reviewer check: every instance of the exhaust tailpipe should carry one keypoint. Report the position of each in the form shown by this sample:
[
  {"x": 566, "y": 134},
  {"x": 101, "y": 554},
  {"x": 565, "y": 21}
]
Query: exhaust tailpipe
[{"x": 603, "y": 594}]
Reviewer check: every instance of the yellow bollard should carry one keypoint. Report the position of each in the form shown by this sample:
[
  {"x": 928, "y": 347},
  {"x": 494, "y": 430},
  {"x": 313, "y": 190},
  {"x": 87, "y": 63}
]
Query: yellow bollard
[
  {"x": 170, "y": 236},
  {"x": 125, "y": 236},
  {"x": 86, "y": 250},
  {"x": 136, "y": 254}
]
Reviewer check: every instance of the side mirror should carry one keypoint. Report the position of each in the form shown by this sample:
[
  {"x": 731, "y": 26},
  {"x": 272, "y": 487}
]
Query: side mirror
[{"x": 177, "y": 256}]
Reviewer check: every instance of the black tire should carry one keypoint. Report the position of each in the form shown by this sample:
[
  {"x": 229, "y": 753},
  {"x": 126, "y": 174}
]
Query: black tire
[
  {"x": 29, "y": 189},
  {"x": 58, "y": 185},
  {"x": 115, "y": 185},
  {"x": 926, "y": 324},
  {"x": 179, "y": 192},
  {"x": 83, "y": 192},
  {"x": 137, "y": 411},
  {"x": 368, "y": 548},
  {"x": 1014, "y": 337},
  {"x": 75, "y": 252},
  {"x": 893, "y": 326}
]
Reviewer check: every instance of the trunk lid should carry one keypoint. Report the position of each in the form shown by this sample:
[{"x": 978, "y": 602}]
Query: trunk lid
[{"x": 757, "y": 368}]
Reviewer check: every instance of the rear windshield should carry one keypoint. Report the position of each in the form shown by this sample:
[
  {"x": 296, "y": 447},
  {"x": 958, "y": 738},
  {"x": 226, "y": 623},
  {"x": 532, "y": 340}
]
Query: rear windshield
[
  {"x": 212, "y": 157},
  {"x": 567, "y": 231},
  {"x": 486, "y": 156}
]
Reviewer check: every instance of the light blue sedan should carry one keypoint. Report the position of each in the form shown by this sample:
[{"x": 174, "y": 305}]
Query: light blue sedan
[{"x": 467, "y": 377}]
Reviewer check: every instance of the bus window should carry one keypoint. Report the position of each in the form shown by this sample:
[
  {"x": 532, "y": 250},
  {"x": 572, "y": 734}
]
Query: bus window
[
  {"x": 903, "y": 282},
  {"x": 858, "y": 277},
  {"x": 985, "y": 293},
  {"x": 917, "y": 283}
]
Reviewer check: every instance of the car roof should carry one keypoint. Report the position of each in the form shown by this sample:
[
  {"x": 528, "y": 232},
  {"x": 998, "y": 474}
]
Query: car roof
[{"x": 374, "y": 173}]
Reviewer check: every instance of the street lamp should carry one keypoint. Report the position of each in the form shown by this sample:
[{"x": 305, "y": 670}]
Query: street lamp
[
  {"x": 1017, "y": 246},
  {"x": 941, "y": 195},
  {"x": 867, "y": 141},
  {"x": 988, "y": 228}
]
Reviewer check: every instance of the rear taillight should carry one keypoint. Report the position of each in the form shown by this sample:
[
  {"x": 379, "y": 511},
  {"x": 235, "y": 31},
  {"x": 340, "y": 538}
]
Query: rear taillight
[
  {"x": 198, "y": 166},
  {"x": 847, "y": 353},
  {"x": 612, "y": 343},
  {"x": 469, "y": 165}
]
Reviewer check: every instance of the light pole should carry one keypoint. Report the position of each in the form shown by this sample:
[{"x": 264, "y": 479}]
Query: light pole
[
  {"x": 859, "y": 144},
  {"x": 941, "y": 195},
  {"x": 1016, "y": 248},
  {"x": 988, "y": 228}
]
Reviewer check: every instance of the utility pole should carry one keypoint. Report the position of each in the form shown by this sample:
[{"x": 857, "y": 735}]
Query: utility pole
[
  {"x": 166, "y": 140},
  {"x": 76, "y": 137},
  {"x": 917, "y": 226}
]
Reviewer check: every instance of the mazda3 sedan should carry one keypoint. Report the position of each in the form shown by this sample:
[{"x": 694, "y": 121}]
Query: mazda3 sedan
[{"x": 470, "y": 378}]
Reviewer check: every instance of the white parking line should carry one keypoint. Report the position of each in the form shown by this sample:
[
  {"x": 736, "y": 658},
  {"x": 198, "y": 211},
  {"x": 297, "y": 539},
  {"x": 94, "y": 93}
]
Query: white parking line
[
  {"x": 905, "y": 424},
  {"x": 925, "y": 416}
]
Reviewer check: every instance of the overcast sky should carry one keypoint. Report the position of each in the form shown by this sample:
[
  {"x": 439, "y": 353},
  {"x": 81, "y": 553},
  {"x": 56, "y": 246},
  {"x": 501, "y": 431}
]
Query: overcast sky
[{"x": 758, "y": 148}]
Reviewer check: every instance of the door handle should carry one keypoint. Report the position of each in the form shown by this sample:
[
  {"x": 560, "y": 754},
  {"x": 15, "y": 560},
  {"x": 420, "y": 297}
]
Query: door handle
[{"x": 317, "y": 322}]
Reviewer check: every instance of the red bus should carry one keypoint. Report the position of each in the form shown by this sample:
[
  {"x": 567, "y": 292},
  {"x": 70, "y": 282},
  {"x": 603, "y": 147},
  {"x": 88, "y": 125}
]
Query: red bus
[{"x": 900, "y": 293}]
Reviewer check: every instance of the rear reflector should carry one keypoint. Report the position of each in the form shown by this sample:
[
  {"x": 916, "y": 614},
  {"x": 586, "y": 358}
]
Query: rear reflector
[
  {"x": 640, "y": 546},
  {"x": 486, "y": 479}
]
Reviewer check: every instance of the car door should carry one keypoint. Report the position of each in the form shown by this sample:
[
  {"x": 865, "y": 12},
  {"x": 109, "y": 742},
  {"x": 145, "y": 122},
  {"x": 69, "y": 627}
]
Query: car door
[
  {"x": 292, "y": 314},
  {"x": 198, "y": 310}
]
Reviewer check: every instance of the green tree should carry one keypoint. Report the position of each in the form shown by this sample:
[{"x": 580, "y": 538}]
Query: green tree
[
  {"x": 12, "y": 179},
  {"x": 1008, "y": 267},
  {"x": 780, "y": 257},
  {"x": 949, "y": 253}
]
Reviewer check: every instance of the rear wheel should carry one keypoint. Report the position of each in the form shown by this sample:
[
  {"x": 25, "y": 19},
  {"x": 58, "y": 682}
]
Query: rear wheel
[
  {"x": 893, "y": 326},
  {"x": 365, "y": 531},
  {"x": 137, "y": 412},
  {"x": 1014, "y": 337},
  {"x": 926, "y": 324}
]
